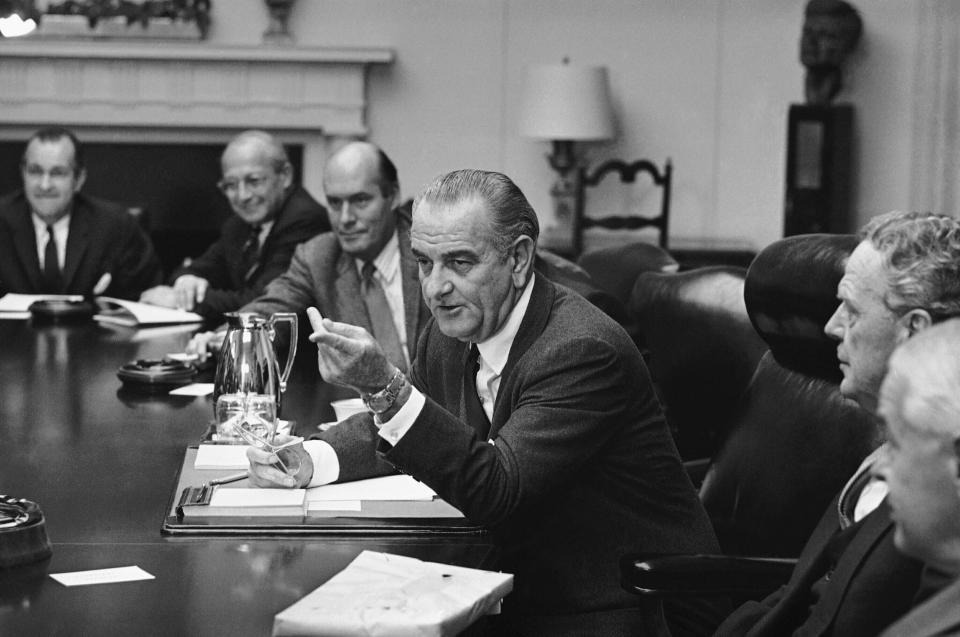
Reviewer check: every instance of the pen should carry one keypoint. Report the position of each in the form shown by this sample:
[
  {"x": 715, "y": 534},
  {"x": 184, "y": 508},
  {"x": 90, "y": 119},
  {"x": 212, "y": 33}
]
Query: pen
[{"x": 228, "y": 479}]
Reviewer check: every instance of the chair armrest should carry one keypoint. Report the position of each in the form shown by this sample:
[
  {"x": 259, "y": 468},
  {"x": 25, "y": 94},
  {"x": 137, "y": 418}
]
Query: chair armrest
[
  {"x": 679, "y": 575},
  {"x": 697, "y": 470}
]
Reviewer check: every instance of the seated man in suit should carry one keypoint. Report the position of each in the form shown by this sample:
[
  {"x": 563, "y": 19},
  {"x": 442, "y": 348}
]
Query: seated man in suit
[
  {"x": 272, "y": 216},
  {"x": 920, "y": 403},
  {"x": 361, "y": 273},
  {"x": 527, "y": 408},
  {"x": 56, "y": 240},
  {"x": 850, "y": 580}
]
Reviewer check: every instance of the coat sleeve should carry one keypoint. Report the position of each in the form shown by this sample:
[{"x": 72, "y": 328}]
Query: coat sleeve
[{"x": 136, "y": 266}]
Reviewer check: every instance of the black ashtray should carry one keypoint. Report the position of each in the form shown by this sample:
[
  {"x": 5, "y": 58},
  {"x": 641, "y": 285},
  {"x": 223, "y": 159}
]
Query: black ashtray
[
  {"x": 61, "y": 311},
  {"x": 23, "y": 533},
  {"x": 156, "y": 375}
]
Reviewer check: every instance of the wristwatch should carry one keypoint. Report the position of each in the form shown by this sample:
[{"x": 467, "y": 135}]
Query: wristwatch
[{"x": 383, "y": 400}]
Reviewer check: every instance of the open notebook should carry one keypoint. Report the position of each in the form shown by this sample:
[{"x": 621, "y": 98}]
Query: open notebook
[{"x": 134, "y": 314}]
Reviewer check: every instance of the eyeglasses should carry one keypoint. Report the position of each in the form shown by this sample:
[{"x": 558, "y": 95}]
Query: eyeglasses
[{"x": 255, "y": 183}]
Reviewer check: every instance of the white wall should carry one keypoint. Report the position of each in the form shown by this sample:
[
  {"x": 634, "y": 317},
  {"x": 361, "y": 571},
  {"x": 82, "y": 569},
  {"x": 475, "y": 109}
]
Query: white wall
[{"x": 707, "y": 83}]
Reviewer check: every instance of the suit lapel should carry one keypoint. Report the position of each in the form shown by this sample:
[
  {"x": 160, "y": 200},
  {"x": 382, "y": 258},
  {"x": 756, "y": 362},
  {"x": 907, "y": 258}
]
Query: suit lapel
[
  {"x": 78, "y": 240},
  {"x": 532, "y": 326},
  {"x": 25, "y": 244},
  {"x": 872, "y": 531}
]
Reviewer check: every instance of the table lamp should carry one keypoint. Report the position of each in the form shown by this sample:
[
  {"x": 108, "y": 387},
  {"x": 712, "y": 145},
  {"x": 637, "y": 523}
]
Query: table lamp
[{"x": 566, "y": 103}]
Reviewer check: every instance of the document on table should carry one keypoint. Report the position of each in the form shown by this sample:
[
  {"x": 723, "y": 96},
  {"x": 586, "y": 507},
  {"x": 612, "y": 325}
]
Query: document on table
[
  {"x": 135, "y": 314},
  {"x": 102, "y": 576},
  {"x": 387, "y": 488},
  {"x": 221, "y": 457}
]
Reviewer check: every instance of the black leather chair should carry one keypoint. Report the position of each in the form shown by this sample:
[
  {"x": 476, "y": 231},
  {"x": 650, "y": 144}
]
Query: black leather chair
[
  {"x": 794, "y": 440},
  {"x": 701, "y": 348}
]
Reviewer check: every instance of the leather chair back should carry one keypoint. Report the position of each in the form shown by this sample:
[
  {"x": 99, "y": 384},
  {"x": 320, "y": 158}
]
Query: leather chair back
[
  {"x": 794, "y": 440},
  {"x": 701, "y": 349}
]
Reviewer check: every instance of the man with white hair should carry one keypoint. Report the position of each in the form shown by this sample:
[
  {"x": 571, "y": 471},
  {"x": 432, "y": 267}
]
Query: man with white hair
[{"x": 920, "y": 403}]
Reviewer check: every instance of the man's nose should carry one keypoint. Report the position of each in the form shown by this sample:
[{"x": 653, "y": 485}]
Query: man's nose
[
  {"x": 834, "y": 327},
  {"x": 436, "y": 285},
  {"x": 45, "y": 180}
]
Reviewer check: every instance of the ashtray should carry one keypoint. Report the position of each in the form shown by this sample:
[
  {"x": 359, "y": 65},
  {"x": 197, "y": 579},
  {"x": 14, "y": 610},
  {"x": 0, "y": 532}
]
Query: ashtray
[
  {"x": 61, "y": 311},
  {"x": 159, "y": 375},
  {"x": 23, "y": 532}
]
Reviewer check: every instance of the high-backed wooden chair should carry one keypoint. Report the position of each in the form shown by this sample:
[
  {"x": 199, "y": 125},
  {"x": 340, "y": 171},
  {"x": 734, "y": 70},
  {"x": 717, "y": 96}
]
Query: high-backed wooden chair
[
  {"x": 794, "y": 440},
  {"x": 628, "y": 174}
]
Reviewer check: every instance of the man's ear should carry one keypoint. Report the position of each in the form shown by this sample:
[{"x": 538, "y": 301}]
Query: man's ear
[
  {"x": 915, "y": 321},
  {"x": 81, "y": 179},
  {"x": 286, "y": 175},
  {"x": 522, "y": 252}
]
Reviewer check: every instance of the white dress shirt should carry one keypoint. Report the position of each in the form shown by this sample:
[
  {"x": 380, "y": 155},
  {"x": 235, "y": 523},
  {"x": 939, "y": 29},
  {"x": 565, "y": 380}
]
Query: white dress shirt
[
  {"x": 494, "y": 352},
  {"x": 61, "y": 230}
]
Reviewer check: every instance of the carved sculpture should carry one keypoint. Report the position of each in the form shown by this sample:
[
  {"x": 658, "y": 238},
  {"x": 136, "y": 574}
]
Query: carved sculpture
[{"x": 831, "y": 30}]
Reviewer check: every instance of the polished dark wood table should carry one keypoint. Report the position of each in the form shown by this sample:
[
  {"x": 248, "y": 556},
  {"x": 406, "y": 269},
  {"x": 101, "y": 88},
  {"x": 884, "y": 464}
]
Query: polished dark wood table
[{"x": 101, "y": 461}]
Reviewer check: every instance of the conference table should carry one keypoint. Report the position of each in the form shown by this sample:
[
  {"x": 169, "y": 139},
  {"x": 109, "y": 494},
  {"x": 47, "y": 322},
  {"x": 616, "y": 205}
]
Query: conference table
[{"x": 101, "y": 460}]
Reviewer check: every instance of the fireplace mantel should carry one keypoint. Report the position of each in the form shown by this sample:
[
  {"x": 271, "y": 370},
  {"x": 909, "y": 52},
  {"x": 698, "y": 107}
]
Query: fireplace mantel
[{"x": 186, "y": 91}]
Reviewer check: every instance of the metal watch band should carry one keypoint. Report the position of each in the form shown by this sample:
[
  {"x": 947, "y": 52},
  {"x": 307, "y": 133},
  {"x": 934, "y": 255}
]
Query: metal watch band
[{"x": 383, "y": 400}]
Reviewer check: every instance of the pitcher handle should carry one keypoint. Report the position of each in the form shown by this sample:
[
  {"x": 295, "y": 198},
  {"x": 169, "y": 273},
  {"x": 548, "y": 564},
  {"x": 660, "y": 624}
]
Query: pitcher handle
[{"x": 289, "y": 317}]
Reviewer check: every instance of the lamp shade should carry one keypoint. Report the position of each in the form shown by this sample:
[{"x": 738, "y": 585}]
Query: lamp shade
[{"x": 566, "y": 102}]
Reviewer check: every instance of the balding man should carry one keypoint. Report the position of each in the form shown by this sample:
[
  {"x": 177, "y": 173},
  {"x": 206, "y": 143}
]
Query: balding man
[
  {"x": 363, "y": 272},
  {"x": 272, "y": 216},
  {"x": 56, "y": 240}
]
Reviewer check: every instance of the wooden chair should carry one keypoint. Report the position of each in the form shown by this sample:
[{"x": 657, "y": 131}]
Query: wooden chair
[{"x": 628, "y": 174}]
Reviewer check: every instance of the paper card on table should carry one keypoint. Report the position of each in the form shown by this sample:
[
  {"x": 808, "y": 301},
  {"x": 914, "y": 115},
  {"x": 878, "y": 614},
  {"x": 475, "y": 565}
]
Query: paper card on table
[
  {"x": 12, "y": 302},
  {"x": 221, "y": 457},
  {"x": 250, "y": 502},
  {"x": 193, "y": 389},
  {"x": 398, "y": 487},
  {"x": 15, "y": 316},
  {"x": 102, "y": 576},
  {"x": 384, "y": 594}
]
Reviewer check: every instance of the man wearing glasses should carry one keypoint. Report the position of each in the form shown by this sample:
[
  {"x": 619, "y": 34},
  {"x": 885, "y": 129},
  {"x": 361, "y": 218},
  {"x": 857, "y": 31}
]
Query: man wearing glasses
[
  {"x": 271, "y": 217},
  {"x": 55, "y": 240}
]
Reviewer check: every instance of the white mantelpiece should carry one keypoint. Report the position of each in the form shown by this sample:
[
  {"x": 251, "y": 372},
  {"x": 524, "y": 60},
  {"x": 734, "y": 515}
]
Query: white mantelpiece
[{"x": 187, "y": 92}]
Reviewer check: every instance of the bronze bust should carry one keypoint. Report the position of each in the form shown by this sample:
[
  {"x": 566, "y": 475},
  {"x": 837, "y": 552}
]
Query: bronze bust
[{"x": 831, "y": 30}]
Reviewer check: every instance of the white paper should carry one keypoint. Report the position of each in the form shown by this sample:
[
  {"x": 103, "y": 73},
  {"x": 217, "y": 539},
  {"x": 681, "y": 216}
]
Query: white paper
[
  {"x": 193, "y": 389},
  {"x": 14, "y": 316},
  {"x": 221, "y": 457},
  {"x": 398, "y": 487},
  {"x": 102, "y": 576},
  {"x": 146, "y": 314},
  {"x": 12, "y": 302},
  {"x": 253, "y": 497},
  {"x": 334, "y": 505},
  {"x": 379, "y": 594}
]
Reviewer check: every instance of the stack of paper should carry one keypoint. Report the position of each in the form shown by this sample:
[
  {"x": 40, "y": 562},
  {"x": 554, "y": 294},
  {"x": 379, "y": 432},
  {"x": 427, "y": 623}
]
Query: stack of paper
[
  {"x": 134, "y": 314},
  {"x": 383, "y": 594}
]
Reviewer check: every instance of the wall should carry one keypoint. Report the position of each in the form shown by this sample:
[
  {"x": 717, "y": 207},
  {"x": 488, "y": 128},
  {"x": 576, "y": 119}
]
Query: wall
[{"x": 706, "y": 83}]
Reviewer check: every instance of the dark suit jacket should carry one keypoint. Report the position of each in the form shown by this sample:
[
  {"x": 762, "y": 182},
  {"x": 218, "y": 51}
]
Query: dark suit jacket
[
  {"x": 299, "y": 219},
  {"x": 939, "y": 616},
  {"x": 870, "y": 586},
  {"x": 581, "y": 470},
  {"x": 321, "y": 274},
  {"x": 103, "y": 238}
]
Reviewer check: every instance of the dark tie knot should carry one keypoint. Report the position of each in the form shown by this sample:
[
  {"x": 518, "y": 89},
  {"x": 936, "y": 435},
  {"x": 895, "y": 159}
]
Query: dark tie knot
[{"x": 368, "y": 271}]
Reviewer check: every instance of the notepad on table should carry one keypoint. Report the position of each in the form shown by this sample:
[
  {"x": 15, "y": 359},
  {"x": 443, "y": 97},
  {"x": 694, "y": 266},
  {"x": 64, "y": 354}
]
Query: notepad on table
[
  {"x": 243, "y": 502},
  {"x": 135, "y": 314},
  {"x": 221, "y": 457}
]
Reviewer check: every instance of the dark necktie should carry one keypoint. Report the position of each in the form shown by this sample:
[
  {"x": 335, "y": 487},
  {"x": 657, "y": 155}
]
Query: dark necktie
[
  {"x": 250, "y": 253},
  {"x": 51, "y": 266},
  {"x": 381, "y": 318},
  {"x": 476, "y": 416}
]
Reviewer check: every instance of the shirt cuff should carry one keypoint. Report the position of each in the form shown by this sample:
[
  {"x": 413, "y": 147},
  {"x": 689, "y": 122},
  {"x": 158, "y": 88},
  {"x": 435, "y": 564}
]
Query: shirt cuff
[
  {"x": 395, "y": 428},
  {"x": 326, "y": 465}
]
